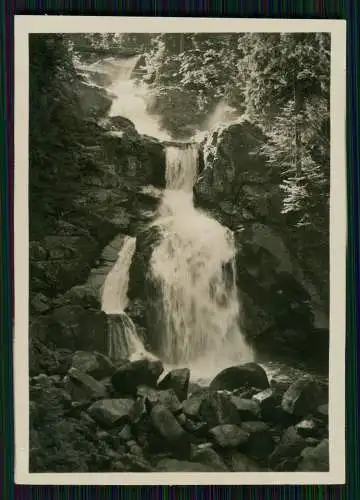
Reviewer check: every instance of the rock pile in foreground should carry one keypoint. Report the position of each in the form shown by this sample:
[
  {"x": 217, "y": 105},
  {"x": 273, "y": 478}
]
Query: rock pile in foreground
[{"x": 129, "y": 418}]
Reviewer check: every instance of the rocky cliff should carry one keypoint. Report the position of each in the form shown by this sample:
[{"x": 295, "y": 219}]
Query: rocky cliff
[{"x": 283, "y": 295}]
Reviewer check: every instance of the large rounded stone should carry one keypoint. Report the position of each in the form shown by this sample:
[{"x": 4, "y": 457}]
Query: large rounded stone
[{"x": 235, "y": 377}]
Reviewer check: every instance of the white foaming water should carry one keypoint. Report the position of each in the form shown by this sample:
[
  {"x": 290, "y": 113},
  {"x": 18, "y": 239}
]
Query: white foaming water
[
  {"x": 114, "y": 293},
  {"x": 123, "y": 339},
  {"x": 131, "y": 101},
  {"x": 195, "y": 266}
]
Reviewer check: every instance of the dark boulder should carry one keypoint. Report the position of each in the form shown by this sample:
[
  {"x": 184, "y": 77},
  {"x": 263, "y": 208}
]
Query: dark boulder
[
  {"x": 229, "y": 436},
  {"x": 83, "y": 387},
  {"x": 286, "y": 455},
  {"x": 112, "y": 412},
  {"x": 217, "y": 408},
  {"x": 178, "y": 380},
  {"x": 315, "y": 459},
  {"x": 268, "y": 402},
  {"x": 191, "y": 406},
  {"x": 128, "y": 377},
  {"x": 235, "y": 377},
  {"x": 246, "y": 408},
  {"x": 302, "y": 397},
  {"x": 260, "y": 443},
  {"x": 166, "y": 397},
  {"x": 208, "y": 456},
  {"x": 95, "y": 364},
  {"x": 169, "y": 430}
]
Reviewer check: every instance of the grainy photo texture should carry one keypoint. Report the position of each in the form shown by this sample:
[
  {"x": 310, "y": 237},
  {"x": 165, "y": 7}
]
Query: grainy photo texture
[{"x": 179, "y": 252}]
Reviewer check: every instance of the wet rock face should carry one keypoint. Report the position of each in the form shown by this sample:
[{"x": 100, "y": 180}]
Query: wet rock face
[
  {"x": 74, "y": 327},
  {"x": 230, "y": 147},
  {"x": 283, "y": 304}
]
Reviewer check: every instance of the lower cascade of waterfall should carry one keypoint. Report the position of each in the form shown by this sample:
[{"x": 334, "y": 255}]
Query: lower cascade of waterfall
[
  {"x": 194, "y": 265},
  {"x": 123, "y": 340}
]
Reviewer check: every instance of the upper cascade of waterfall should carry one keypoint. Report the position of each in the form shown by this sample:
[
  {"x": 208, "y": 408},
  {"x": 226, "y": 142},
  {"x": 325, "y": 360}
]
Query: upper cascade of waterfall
[
  {"x": 130, "y": 97},
  {"x": 114, "y": 293},
  {"x": 181, "y": 167}
]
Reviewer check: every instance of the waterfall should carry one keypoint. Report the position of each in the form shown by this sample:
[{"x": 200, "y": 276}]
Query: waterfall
[
  {"x": 131, "y": 101},
  {"x": 123, "y": 339},
  {"x": 194, "y": 264},
  {"x": 114, "y": 293}
]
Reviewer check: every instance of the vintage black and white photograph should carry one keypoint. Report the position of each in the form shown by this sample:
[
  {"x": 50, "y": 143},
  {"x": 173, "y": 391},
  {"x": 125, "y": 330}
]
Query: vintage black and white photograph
[{"x": 179, "y": 250}]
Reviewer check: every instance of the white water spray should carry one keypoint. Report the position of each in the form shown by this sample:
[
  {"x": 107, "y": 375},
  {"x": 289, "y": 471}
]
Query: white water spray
[
  {"x": 123, "y": 339},
  {"x": 195, "y": 267}
]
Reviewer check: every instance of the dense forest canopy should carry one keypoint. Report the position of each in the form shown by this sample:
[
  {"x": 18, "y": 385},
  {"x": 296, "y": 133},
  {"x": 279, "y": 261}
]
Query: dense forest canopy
[{"x": 280, "y": 80}]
